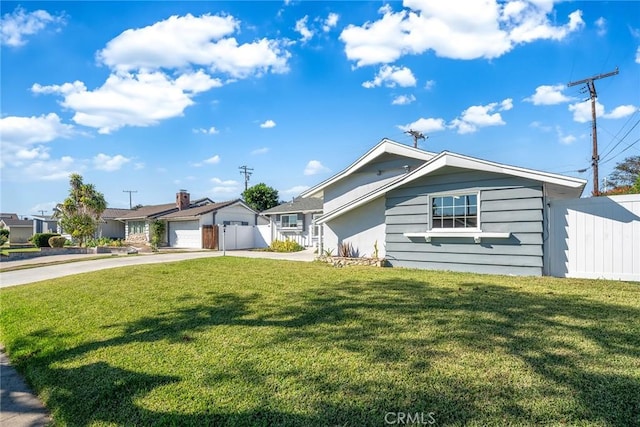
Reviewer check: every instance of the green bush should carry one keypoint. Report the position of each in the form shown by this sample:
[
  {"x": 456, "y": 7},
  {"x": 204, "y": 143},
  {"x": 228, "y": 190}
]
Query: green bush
[
  {"x": 103, "y": 241},
  {"x": 41, "y": 240},
  {"x": 4, "y": 236},
  {"x": 57, "y": 241},
  {"x": 286, "y": 246}
]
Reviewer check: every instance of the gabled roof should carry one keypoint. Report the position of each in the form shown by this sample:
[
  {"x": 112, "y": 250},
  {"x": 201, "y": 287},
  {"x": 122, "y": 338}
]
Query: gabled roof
[
  {"x": 303, "y": 205},
  {"x": 448, "y": 159},
  {"x": 112, "y": 213},
  {"x": 8, "y": 216},
  {"x": 10, "y": 222},
  {"x": 151, "y": 211},
  {"x": 195, "y": 212},
  {"x": 386, "y": 146}
]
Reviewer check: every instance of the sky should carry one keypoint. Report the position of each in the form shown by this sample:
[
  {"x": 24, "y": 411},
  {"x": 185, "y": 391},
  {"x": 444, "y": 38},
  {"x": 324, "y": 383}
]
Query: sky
[{"x": 155, "y": 97}]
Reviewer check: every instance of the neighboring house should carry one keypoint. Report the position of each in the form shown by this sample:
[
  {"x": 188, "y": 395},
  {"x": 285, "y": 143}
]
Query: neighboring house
[
  {"x": 444, "y": 211},
  {"x": 294, "y": 220},
  {"x": 185, "y": 220},
  {"x": 20, "y": 230},
  {"x": 8, "y": 216},
  {"x": 45, "y": 224},
  {"x": 184, "y": 227},
  {"x": 110, "y": 227}
]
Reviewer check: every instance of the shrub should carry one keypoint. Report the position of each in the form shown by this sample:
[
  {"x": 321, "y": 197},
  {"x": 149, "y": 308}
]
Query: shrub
[
  {"x": 286, "y": 246},
  {"x": 102, "y": 241},
  {"x": 41, "y": 240},
  {"x": 4, "y": 236},
  {"x": 57, "y": 241},
  {"x": 346, "y": 250}
]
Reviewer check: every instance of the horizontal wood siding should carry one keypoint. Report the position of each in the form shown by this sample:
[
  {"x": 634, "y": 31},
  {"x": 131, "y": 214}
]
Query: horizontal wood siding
[{"x": 511, "y": 205}]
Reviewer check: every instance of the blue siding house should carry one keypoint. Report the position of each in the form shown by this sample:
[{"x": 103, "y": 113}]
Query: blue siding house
[{"x": 448, "y": 212}]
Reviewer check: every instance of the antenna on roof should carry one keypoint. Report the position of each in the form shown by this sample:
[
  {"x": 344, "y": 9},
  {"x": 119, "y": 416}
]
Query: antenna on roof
[{"x": 416, "y": 136}]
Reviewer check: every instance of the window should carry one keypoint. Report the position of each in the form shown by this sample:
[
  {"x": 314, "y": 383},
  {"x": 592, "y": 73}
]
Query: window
[
  {"x": 454, "y": 211},
  {"x": 235, "y": 223},
  {"x": 136, "y": 227},
  {"x": 289, "y": 221}
]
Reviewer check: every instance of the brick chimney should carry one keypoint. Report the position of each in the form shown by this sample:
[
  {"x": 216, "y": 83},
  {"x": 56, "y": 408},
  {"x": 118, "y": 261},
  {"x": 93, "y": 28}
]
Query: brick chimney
[{"x": 183, "y": 200}]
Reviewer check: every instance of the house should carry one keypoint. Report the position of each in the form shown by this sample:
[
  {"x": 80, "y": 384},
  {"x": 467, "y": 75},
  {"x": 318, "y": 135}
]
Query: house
[
  {"x": 109, "y": 226},
  {"x": 20, "y": 230},
  {"x": 443, "y": 211},
  {"x": 294, "y": 220},
  {"x": 8, "y": 216},
  {"x": 185, "y": 220},
  {"x": 45, "y": 224}
]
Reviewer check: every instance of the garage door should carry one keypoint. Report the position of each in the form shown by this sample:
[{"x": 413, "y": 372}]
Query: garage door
[{"x": 185, "y": 234}]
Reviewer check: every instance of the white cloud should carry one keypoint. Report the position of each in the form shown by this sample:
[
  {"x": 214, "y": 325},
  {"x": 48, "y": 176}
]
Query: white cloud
[
  {"x": 224, "y": 187},
  {"x": 464, "y": 29},
  {"x": 202, "y": 41},
  {"x": 263, "y": 150},
  {"x": 142, "y": 99},
  {"x": 305, "y": 32},
  {"x": 51, "y": 170},
  {"x": 424, "y": 125},
  {"x": 18, "y": 24},
  {"x": 295, "y": 190},
  {"x": 403, "y": 100},
  {"x": 314, "y": 167},
  {"x": 214, "y": 160},
  {"x": 268, "y": 124},
  {"x": 638, "y": 55},
  {"x": 139, "y": 166},
  {"x": 478, "y": 116},
  {"x": 390, "y": 76},
  {"x": 582, "y": 111},
  {"x": 330, "y": 22},
  {"x": 549, "y": 95},
  {"x": 621, "y": 112},
  {"x": 542, "y": 127},
  {"x": 601, "y": 25},
  {"x": 22, "y": 139},
  {"x": 211, "y": 131},
  {"x": 563, "y": 138},
  {"x": 108, "y": 163},
  {"x": 430, "y": 84}
]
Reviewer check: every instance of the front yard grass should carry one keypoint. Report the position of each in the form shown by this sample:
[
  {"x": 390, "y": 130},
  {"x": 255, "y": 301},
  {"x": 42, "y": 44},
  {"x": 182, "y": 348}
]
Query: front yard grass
[{"x": 235, "y": 341}]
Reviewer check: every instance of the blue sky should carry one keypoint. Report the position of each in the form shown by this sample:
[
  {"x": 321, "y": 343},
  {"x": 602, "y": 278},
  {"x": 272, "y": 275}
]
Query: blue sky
[{"x": 159, "y": 96}]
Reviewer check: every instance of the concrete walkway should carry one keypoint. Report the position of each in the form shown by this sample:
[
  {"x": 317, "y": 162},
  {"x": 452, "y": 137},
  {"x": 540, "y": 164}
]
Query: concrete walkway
[{"x": 19, "y": 407}]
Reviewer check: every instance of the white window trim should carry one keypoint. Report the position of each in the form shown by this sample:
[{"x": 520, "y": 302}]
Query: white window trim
[
  {"x": 476, "y": 233},
  {"x": 289, "y": 227},
  {"x": 453, "y": 194}
]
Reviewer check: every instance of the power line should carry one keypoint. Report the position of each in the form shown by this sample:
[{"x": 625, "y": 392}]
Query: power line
[
  {"x": 591, "y": 86},
  {"x": 246, "y": 171},
  {"x": 621, "y": 139},
  {"x": 416, "y": 136}
]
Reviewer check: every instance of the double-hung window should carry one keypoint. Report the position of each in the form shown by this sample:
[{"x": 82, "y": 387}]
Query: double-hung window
[{"x": 454, "y": 211}]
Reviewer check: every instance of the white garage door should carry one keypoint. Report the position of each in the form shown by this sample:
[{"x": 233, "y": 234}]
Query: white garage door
[{"x": 185, "y": 234}]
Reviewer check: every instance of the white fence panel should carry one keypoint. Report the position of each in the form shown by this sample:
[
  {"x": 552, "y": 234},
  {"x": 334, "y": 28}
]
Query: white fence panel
[
  {"x": 594, "y": 238},
  {"x": 236, "y": 237},
  {"x": 262, "y": 236}
]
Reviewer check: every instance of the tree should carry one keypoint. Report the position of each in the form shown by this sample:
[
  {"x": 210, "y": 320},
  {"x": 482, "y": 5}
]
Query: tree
[
  {"x": 261, "y": 197},
  {"x": 625, "y": 177},
  {"x": 80, "y": 213}
]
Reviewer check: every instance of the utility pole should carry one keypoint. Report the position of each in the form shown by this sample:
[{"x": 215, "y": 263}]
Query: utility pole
[
  {"x": 416, "y": 136},
  {"x": 41, "y": 212},
  {"x": 130, "y": 191},
  {"x": 591, "y": 87},
  {"x": 246, "y": 171}
]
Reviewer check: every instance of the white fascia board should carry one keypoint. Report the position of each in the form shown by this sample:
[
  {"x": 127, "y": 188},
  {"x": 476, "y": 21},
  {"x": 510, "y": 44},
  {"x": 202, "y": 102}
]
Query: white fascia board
[
  {"x": 455, "y": 160},
  {"x": 384, "y": 146}
]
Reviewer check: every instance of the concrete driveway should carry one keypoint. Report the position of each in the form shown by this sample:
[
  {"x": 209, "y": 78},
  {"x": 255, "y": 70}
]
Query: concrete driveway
[{"x": 46, "y": 272}]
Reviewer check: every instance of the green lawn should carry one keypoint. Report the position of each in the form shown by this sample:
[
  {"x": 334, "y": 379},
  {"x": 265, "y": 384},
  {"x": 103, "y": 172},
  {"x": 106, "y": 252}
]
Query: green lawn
[
  {"x": 233, "y": 341},
  {"x": 19, "y": 250}
]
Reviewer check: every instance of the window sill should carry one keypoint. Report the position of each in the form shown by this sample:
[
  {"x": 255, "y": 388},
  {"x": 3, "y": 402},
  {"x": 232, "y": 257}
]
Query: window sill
[{"x": 477, "y": 235}]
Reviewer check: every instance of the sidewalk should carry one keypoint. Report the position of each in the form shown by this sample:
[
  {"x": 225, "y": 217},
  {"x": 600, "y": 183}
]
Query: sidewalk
[{"x": 19, "y": 407}]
